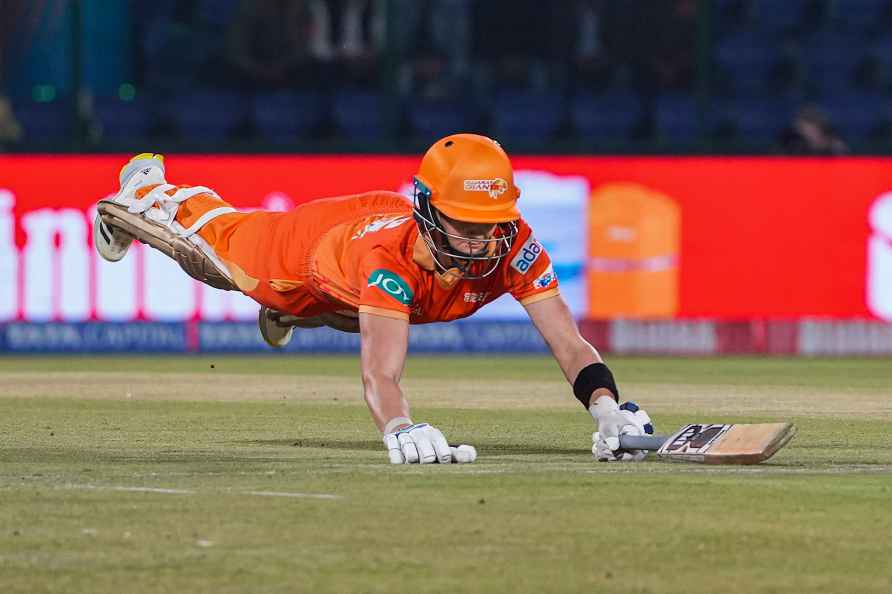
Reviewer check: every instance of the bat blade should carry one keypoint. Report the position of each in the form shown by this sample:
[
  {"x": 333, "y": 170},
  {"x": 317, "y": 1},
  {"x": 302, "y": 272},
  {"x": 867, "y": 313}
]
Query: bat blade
[
  {"x": 727, "y": 444},
  {"x": 717, "y": 444}
]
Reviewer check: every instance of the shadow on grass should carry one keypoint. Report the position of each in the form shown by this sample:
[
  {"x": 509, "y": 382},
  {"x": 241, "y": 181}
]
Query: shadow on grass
[{"x": 489, "y": 449}]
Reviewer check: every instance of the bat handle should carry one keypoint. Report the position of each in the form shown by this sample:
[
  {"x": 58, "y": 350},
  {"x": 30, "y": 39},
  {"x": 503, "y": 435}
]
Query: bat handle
[{"x": 642, "y": 442}]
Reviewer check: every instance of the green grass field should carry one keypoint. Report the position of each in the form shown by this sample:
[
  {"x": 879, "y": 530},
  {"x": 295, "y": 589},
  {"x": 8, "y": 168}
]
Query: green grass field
[{"x": 266, "y": 474}]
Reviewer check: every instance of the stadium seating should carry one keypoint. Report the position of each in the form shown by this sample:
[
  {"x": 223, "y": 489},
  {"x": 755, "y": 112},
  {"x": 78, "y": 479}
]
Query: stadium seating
[
  {"x": 825, "y": 52},
  {"x": 360, "y": 115},
  {"x": 730, "y": 15},
  {"x": 205, "y": 115},
  {"x": 756, "y": 121},
  {"x": 781, "y": 17},
  {"x": 525, "y": 115},
  {"x": 285, "y": 116},
  {"x": 881, "y": 48},
  {"x": 122, "y": 120},
  {"x": 861, "y": 16},
  {"x": 611, "y": 116},
  {"x": 44, "y": 122},
  {"x": 746, "y": 60},
  {"x": 857, "y": 116},
  {"x": 830, "y": 60},
  {"x": 217, "y": 13},
  {"x": 677, "y": 119},
  {"x": 143, "y": 12},
  {"x": 431, "y": 119}
]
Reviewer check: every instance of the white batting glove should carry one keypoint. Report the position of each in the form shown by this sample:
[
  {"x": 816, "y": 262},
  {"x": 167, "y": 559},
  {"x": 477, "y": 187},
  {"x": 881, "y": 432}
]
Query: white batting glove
[
  {"x": 615, "y": 420},
  {"x": 424, "y": 444}
]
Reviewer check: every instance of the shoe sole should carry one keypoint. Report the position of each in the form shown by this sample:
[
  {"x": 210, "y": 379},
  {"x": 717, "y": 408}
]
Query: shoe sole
[
  {"x": 266, "y": 329},
  {"x": 102, "y": 233}
]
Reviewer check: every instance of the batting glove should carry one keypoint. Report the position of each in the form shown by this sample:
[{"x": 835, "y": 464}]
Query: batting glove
[
  {"x": 424, "y": 444},
  {"x": 615, "y": 420}
]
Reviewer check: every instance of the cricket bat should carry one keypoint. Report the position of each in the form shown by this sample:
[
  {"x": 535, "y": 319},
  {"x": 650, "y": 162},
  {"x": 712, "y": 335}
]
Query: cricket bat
[{"x": 716, "y": 444}]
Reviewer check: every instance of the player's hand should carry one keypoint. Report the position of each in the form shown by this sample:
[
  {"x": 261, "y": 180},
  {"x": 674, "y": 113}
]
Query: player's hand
[
  {"x": 615, "y": 420},
  {"x": 424, "y": 444}
]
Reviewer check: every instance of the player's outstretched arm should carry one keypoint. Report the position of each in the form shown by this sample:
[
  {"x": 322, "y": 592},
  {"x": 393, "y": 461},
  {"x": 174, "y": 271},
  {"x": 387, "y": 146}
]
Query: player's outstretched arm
[
  {"x": 384, "y": 342},
  {"x": 592, "y": 380}
]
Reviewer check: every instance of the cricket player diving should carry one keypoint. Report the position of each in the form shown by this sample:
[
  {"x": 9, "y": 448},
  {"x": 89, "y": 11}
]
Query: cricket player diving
[{"x": 374, "y": 263}]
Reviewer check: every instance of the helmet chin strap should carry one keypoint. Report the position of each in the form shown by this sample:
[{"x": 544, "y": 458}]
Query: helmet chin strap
[{"x": 449, "y": 278}]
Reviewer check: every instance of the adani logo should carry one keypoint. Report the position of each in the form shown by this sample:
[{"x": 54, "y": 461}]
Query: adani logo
[{"x": 527, "y": 256}]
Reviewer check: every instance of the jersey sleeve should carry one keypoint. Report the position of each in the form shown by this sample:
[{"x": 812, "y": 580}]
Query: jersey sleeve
[
  {"x": 530, "y": 273},
  {"x": 388, "y": 288}
]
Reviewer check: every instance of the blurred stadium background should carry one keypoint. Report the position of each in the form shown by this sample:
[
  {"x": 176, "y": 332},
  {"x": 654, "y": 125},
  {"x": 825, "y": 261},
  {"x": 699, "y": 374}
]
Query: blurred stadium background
[{"x": 710, "y": 176}]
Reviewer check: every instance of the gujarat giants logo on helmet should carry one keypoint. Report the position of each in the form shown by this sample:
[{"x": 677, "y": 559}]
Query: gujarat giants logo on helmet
[{"x": 494, "y": 187}]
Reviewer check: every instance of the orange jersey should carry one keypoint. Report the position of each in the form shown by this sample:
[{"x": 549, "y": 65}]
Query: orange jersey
[{"x": 359, "y": 253}]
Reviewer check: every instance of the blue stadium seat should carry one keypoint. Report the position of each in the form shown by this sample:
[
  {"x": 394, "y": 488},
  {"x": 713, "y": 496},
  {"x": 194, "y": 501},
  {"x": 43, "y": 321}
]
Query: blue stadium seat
[
  {"x": 43, "y": 122},
  {"x": 780, "y": 16},
  {"x": 860, "y": 16},
  {"x": 857, "y": 115},
  {"x": 142, "y": 12},
  {"x": 882, "y": 49},
  {"x": 758, "y": 120},
  {"x": 677, "y": 119},
  {"x": 611, "y": 116},
  {"x": 746, "y": 59},
  {"x": 433, "y": 119},
  {"x": 359, "y": 115},
  {"x": 831, "y": 59},
  {"x": 218, "y": 13},
  {"x": 731, "y": 15},
  {"x": 286, "y": 116},
  {"x": 122, "y": 120},
  {"x": 526, "y": 115},
  {"x": 204, "y": 115}
]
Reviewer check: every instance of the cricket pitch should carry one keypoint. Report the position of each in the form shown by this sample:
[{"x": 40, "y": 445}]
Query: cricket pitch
[{"x": 250, "y": 474}]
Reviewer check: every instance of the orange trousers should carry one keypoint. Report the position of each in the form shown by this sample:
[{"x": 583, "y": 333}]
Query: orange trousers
[{"x": 246, "y": 244}]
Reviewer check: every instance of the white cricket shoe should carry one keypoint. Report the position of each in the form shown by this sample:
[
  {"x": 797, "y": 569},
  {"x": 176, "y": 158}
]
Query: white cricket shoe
[
  {"x": 276, "y": 335},
  {"x": 277, "y": 328},
  {"x": 142, "y": 170}
]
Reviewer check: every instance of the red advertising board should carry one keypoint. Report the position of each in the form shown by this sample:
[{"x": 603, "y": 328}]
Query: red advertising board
[
  {"x": 763, "y": 237},
  {"x": 753, "y": 237}
]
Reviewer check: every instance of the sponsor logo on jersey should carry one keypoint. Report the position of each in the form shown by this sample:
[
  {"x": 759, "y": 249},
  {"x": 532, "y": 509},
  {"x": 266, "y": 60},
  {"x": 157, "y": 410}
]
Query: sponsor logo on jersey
[
  {"x": 527, "y": 256},
  {"x": 494, "y": 187},
  {"x": 392, "y": 284},
  {"x": 476, "y": 297},
  {"x": 545, "y": 279},
  {"x": 388, "y": 223}
]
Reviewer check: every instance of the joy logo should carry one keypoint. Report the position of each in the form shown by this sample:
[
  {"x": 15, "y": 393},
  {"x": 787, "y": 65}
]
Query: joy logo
[
  {"x": 527, "y": 256},
  {"x": 879, "y": 258},
  {"x": 391, "y": 284}
]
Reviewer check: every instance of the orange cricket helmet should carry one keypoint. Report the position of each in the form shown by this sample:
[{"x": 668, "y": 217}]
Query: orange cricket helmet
[
  {"x": 469, "y": 178},
  {"x": 466, "y": 178}
]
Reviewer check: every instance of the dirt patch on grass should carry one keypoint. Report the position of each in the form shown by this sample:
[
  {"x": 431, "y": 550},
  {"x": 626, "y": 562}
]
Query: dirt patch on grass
[
  {"x": 782, "y": 401},
  {"x": 238, "y": 387},
  {"x": 173, "y": 386},
  {"x": 778, "y": 401}
]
